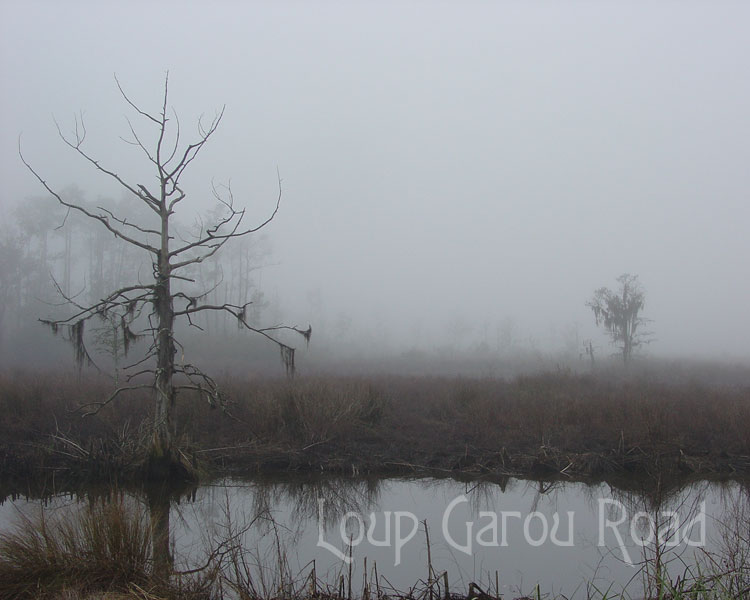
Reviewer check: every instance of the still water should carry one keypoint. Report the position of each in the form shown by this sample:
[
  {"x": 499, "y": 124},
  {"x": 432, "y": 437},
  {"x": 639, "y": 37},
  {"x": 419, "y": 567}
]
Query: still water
[{"x": 565, "y": 537}]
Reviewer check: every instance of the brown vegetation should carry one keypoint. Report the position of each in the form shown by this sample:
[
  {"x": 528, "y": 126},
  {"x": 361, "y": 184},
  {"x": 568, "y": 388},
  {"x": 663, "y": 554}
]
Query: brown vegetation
[
  {"x": 105, "y": 548},
  {"x": 549, "y": 424},
  {"x": 109, "y": 550}
]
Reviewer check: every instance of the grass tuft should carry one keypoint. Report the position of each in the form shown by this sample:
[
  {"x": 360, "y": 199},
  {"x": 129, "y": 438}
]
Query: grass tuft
[{"x": 101, "y": 547}]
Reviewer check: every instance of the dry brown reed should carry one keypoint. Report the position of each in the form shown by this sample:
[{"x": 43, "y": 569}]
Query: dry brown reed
[{"x": 556, "y": 424}]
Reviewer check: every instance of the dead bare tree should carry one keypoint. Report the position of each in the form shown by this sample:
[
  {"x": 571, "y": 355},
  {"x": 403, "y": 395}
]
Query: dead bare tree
[{"x": 158, "y": 305}]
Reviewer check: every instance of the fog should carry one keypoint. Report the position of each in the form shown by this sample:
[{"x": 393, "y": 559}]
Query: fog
[{"x": 453, "y": 173}]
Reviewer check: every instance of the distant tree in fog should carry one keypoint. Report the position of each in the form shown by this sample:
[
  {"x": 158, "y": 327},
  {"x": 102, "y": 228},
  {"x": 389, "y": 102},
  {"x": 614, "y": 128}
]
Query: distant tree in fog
[
  {"x": 11, "y": 273},
  {"x": 151, "y": 309},
  {"x": 619, "y": 313},
  {"x": 28, "y": 246}
]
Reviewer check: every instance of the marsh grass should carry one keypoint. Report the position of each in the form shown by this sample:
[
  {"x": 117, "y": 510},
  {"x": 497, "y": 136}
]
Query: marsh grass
[
  {"x": 103, "y": 551},
  {"x": 556, "y": 424},
  {"x": 102, "y": 547},
  {"x": 100, "y": 550}
]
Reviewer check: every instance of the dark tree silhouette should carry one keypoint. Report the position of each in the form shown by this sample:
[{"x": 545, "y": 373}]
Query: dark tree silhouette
[
  {"x": 619, "y": 312},
  {"x": 158, "y": 305}
]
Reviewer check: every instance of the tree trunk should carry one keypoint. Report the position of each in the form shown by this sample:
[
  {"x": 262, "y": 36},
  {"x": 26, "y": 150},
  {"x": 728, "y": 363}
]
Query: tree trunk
[
  {"x": 627, "y": 340},
  {"x": 164, "y": 365},
  {"x": 163, "y": 461},
  {"x": 158, "y": 507}
]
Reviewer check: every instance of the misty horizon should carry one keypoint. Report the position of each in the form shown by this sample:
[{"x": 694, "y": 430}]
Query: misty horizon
[{"x": 451, "y": 175}]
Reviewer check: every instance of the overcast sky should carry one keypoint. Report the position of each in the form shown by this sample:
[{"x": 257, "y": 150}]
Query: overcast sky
[{"x": 443, "y": 163}]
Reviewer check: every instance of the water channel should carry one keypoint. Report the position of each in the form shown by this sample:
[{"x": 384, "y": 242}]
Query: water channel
[{"x": 565, "y": 537}]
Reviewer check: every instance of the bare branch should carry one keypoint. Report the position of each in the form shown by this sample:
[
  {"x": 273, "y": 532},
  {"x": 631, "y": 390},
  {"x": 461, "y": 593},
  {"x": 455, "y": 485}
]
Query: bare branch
[
  {"x": 118, "y": 298},
  {"x": 174, "y": 201},
  {"x": 193, "y": 149},
  {"x": 202, "y": 383},
  {"x": 98, "y": 406},
  {"x": 80, "y": 136},
  {"x": 216, "y": 240},
  {"x": 125, "y": 223},
  {"x": 101, "y": 218},
  {"x": 162, "y": 132},
  {"x": 176, "y": 138},
  {"x": 305, "y": 333},
  {"x": 238, "y": 312},
  {"x": 133, "y": 105},
  {"x": 138, "y": 142}
]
